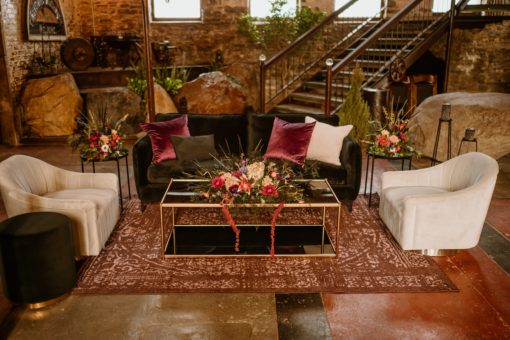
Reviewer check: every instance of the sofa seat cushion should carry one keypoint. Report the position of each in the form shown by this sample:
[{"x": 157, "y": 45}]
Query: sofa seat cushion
[
  {"x": 102, "y": 198},
  {"x": 161, "y": 173},
  {"x": 335, "y": 174}
]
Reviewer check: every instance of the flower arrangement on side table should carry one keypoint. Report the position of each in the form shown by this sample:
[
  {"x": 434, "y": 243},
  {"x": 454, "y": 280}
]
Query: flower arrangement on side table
[
  {"x": 97, "y": 137},
  {"x": 393, "y": 138},
  {"x": 250, "y": 181}
]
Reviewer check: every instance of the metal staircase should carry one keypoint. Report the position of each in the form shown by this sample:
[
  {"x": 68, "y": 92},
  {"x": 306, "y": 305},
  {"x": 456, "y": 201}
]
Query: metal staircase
[{"x": 336, "y": 45}]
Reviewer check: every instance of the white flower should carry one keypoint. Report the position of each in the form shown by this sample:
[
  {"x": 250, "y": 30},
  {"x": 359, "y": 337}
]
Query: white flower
[
  {"x": 385, "y": 132},
  {"x": 105, "y": 148},
  {"x": 255, "y": 170},
  {"x": 267, "y": 180}
]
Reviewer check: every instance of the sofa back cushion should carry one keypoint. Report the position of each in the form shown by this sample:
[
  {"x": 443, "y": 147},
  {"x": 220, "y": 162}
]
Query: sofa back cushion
[
  {"x": 260, "y": 126},
  {"x": 228, "y": 130}
]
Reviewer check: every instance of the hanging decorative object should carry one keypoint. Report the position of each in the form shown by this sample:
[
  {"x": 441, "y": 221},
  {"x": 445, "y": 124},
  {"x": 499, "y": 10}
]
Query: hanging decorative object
[{"x": 45, "y": 21}]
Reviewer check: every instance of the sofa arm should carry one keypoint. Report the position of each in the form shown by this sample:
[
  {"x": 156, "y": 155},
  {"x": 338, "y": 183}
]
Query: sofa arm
[
  {"x": 142, "y": 158},
  {"x": 350, "y": 158}
]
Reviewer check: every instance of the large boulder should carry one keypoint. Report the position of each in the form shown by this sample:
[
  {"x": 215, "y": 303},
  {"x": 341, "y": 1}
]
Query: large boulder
[
  {"x": 163, "y": 103},
  {"x": 247, "y": 75},
  {"x": 118, "y": 102},
  {"x": 50, "y": 106},
  {"x": 213, "y": 93},
  {"x": 487, "y": 113}
]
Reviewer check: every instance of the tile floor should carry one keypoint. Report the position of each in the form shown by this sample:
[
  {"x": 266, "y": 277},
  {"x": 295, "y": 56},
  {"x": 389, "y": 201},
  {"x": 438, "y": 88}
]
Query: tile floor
[{"x": 481, "y": 310}]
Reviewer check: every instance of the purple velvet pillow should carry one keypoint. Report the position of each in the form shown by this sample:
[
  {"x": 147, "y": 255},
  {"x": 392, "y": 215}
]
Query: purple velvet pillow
[
  {"x": 160, "y": 132},
  {"x": 289, "y": 140}
]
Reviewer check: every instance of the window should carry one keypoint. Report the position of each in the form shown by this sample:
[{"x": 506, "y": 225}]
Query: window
[
  {"x": 361, "y": 8},
  {"x": 176, "y": 9},
  {"x": 262, "y": 8},
  {"x": 441, "y": 6}
]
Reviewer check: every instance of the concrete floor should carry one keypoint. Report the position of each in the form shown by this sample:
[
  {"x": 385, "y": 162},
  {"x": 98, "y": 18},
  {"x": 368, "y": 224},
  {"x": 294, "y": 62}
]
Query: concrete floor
[{"x": 479, "y": 311}]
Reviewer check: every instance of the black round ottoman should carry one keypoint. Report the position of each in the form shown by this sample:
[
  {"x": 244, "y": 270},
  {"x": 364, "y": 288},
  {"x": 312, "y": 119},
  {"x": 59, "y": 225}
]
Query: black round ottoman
[{"x": 37, "y": 258}]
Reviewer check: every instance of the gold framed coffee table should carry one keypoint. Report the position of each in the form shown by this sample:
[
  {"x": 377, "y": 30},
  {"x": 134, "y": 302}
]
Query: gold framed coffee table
[{"x": 191, "y": 227}]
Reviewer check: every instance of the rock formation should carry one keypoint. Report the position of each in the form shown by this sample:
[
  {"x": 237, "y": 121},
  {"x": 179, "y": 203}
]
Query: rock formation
[
  {"x": 213, "y": 93},
  {"x": 162, "y": 100},
  {"x": 247, "y": 74},
  {"x": 487, "y": 113},
  {"x": 118, "y": 101},
  {"x": 50, "y": 106}
]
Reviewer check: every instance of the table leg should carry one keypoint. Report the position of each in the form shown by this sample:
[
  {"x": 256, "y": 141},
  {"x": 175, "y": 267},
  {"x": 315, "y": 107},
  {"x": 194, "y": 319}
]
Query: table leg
[
  {"x": 82, "y": 168},
  {"x": 127, "y": 174},
  {"x": 410, "y": 162},
  {"x": 371, "y": 182},
  {"x": 366, "y": 174},
  {"x": 120, "y": 185},
  {"x": 93, "y": 166}
]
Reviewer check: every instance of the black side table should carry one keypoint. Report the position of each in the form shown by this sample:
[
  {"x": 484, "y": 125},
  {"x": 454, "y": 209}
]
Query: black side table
[
  {"x": 124, "y": 155},
  {"x": 37, "y": 258},
  {"x": 373, "y": 156}
]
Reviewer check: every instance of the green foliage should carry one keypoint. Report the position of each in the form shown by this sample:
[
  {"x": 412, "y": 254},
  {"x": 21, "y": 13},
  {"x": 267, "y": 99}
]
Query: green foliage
[
  {"x": 354, "y": 110},
  {"x": 138, "y": 83},
  {"x": 172, "y": 82},
  {"x": 280, "y": 28}
]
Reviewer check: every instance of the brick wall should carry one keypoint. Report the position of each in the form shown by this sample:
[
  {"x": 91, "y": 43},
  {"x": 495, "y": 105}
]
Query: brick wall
[
  {"x": 18, "y": 50},
  {"x": 480, "y": 58}
]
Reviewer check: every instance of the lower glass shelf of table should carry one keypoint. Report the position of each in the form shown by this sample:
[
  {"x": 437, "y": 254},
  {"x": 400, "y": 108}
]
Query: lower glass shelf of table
[{"x": 192, "y": 228}]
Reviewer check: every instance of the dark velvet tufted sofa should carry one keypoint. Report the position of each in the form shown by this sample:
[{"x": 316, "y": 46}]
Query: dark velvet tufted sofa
[{"x": 231, "y": 131}]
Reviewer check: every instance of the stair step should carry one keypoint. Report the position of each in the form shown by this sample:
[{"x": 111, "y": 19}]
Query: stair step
[
  {"x": 381, "y": 51},
  {"x": 312, "y": 98},
  {"x": 322, "y": 85},
  {"x": 290, "y": 108}
]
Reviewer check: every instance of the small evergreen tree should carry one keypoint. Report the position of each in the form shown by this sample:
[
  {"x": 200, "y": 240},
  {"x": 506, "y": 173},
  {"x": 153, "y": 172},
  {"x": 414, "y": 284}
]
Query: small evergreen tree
[{"x": 354, "y": 110}]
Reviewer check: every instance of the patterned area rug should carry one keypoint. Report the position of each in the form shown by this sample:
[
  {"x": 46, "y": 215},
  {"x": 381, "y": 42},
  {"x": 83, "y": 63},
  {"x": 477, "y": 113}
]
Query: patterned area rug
[{"x": 370, "y": 261}]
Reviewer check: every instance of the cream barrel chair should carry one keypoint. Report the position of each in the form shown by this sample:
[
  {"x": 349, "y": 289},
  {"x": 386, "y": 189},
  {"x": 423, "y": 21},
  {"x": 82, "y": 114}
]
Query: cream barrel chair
[
  {"x": 90, "y": 200},
  {"x": 439, "y": 208}
]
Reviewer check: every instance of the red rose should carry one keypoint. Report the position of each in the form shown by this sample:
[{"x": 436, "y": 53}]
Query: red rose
[
  {"x": 269, "y": 190},
  {"x": 217, "y": 182}
]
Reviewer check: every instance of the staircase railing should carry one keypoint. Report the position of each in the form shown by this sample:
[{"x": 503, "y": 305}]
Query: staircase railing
[
  {"x": 285, "y": 71},
  {"x": 403, "y": 35}
]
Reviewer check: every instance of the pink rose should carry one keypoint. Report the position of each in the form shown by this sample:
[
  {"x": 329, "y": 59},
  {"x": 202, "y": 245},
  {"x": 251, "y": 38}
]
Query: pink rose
[
  {"x": 217, "y": 182},
  {"x": 269, "y": 190},
  {"x": 394, "y": 139}
]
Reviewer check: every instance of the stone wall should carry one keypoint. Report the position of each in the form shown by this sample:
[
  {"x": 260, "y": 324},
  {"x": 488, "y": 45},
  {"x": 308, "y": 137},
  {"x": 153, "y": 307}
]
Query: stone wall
[{"x": 480, "y": 58}]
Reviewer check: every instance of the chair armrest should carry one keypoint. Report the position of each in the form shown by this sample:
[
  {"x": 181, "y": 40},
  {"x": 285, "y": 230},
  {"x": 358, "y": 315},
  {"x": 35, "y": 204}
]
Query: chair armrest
[
  {"x": 66, "y": 179},
  {"x": 433, "y": 177},
  {"x": 22, "y": 202},
  {"x": 142, "y": 158},
  {"x": 81, "y": 212},
  {"x": 350, "y": 158}
]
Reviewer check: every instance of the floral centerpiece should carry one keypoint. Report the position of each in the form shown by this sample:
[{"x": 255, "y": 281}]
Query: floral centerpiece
[
  {"x": 97, "y": 137},
  {"x": 253, "y": 182},
  {"x": 393, "y": 138},
  {"x": 250, "y": 181}
]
